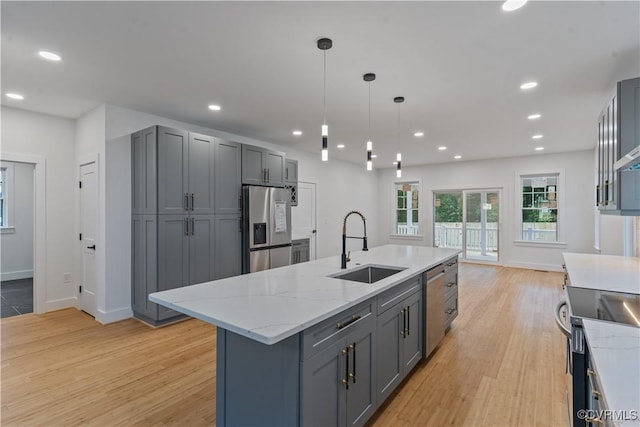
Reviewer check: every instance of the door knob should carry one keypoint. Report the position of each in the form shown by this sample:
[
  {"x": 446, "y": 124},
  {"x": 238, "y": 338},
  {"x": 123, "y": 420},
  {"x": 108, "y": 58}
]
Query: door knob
[{"x": 92, "y": 247}]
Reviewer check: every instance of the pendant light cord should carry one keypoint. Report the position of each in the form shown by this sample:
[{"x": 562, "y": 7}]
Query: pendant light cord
[
  {"x": 324, "y": 90},
  {"x": 369, "y": 111}
]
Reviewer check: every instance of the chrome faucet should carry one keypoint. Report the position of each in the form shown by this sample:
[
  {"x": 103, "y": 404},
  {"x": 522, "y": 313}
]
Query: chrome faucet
[{"x": 345, "y": 258}]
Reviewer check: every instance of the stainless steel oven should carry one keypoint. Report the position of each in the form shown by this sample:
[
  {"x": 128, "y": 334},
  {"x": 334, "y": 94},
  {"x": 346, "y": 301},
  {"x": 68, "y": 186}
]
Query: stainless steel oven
[{"x": 586, "y": 303}]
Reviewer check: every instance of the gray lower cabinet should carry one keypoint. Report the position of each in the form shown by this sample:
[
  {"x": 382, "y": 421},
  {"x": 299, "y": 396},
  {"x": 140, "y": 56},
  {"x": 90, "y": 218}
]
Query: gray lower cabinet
[
  {"x": 337, "y": 384},
  {"x": 228, "y": 246},
  {"x": 299, "y": 251},
  {"x": 144, "y": 271},
  {"x": 261, "y": 166},
  {"x": 399, "y": 347}
]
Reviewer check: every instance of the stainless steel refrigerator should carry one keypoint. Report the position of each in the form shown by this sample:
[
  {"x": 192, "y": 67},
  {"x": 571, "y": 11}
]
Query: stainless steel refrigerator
[{"x": 266, "y": 228}]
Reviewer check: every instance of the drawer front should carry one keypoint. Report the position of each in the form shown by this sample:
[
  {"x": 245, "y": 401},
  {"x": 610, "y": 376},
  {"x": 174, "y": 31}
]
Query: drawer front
[
  {"x": 450, "y": 310},
  {"x": 445, "y": 267},
  {"x": 318, "y": 337},
  {"x": 451, "y": 283},
  {"x": 391, "y": 297}
]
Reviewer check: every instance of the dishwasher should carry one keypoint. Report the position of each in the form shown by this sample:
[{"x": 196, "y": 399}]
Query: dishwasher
[{"x": 436, "y": 281}]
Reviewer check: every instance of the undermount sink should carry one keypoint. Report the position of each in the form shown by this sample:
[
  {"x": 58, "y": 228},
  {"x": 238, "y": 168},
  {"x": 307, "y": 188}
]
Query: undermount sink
[{"x": 368, "y": 273}]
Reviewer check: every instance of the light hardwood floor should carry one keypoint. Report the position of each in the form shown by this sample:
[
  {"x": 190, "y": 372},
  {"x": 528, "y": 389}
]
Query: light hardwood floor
[{"x": 501, "y": 364}]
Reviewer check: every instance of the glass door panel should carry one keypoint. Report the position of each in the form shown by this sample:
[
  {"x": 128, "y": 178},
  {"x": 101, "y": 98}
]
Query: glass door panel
[
  {"x": 481, "y": 221},
  {"x": 447, "y": 231}
]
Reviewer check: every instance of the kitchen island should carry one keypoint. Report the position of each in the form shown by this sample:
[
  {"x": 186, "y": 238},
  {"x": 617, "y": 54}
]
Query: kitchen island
[{"x": 297, "y": 346}]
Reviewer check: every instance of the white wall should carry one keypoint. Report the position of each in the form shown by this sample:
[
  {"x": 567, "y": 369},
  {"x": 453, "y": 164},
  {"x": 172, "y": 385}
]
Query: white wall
[
  {"x": 501, "y": 173},
  {"x": 52, "y": 139},
  {"x": 341, "y": 187},
  {"x": 16, "y": 246}
]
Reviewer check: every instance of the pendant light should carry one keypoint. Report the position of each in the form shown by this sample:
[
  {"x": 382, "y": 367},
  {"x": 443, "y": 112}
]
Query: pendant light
[
  {"x": 398, "y": 100},
  {"x": 325, "y": 44},
  {"x": 369, "y": 77}
]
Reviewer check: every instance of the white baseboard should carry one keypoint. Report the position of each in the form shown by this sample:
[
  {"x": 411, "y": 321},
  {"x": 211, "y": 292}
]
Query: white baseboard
[
  {"x": 111, "y": 316},
  {"x": 534, "y": 266},
  {"x": 16, "y": 275},
  {"x": 59, "y": 304}
]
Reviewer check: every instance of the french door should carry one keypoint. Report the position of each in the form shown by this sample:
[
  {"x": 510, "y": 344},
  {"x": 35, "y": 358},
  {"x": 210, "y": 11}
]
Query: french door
[{"x": 468, "y": 220}]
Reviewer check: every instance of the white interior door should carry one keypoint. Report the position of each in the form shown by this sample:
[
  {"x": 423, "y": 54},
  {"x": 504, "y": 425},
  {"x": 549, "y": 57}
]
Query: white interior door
[
  {"x": 303, "y": 216},
  {"x": 88, "y": 228}
]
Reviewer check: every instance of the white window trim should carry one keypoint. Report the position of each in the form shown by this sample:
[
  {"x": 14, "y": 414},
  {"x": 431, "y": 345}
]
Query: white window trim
[
  {"x": 561, "y": 224},
  {"x": 421, "y": 221},
  {"x": 9, "y": 185}
]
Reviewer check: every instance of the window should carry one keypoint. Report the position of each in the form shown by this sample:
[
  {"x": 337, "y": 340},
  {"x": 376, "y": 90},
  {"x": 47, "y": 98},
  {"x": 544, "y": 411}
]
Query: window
[
  {"x": 539, "y": 220},
  {"x": 406, "y": 208}
]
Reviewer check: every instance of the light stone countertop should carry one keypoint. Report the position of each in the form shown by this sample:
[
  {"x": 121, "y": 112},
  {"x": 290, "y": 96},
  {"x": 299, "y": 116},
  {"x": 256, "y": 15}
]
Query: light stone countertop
[
  {"x": 271, "y": 305},
  {"x": 606, "y": 272},
  {"x": 615, "y": 352}
]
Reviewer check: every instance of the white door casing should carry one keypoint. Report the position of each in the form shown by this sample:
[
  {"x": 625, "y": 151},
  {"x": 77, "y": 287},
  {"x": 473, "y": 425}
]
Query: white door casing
[
  {"x": 303, "y": 216},
  {"x": 87, "y": 298}
]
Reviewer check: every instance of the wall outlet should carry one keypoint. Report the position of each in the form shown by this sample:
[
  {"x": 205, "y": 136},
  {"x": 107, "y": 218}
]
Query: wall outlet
[{"x": 67, "y": 277}]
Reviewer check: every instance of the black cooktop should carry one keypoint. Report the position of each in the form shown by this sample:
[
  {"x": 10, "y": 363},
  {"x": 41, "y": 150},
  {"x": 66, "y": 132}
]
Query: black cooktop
[{"x": 611, "y": 306}]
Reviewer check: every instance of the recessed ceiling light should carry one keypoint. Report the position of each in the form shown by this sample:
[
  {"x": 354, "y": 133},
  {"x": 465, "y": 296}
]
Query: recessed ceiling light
[
  {"x": 374, "y": 156},
  {"x": 537, "y": 136},
  {"x": 539, "y": 148},
  {"x": 442, "y": 148},
  {"x": 214, "y": 107},
  {"x": 395, "y": 163},
  {"x": 458, "y": 157},
  {"x": 418, "y": 134},
  {"x": 340, "y": 145},
  {"x": 13, "y": 95},
  {"x": 528, "y": 85},
  {"x": 511, "y": 5},
  {"x": 297, "y": 132},
  {"x": 49, "y": 55},
  {"x": 534, "y": 116}
]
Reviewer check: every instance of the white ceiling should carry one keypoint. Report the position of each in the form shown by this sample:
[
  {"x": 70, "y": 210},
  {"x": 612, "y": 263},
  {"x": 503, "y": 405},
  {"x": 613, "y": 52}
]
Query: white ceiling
[{"x": 458, "y": 64}]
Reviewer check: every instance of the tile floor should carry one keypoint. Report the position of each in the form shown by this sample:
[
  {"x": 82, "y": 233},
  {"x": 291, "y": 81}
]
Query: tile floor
[{"x": 16, "y": 297}]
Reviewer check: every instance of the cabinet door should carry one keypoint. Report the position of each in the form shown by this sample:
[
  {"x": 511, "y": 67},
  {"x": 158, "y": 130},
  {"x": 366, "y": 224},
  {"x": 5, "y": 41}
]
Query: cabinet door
[
  {"x": 201, "y": 187},
  {"x": 275, "y": 168},
  {"x": 144, "y": 266},
  {"x": 361, "y": 397},
  {"x": 323, "y": 399},
  {"x": 228, "y": 246},
  {"x": 144, "y": 173},
  {"x": 291, "y": 171},
  {"x": 201, "y": 248},
  {"x": 412, "y": 341},
  {"x": 228, "y": 184},
  {"x": 173, "y": 256},
  {"x": 253, "y": 165},
  {"x": 172, "y": 171},
  {"x": 389, "y": 352}
]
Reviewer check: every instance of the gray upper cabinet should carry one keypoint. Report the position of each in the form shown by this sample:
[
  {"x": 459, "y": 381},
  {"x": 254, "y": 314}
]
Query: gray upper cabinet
[
  {"x": 261, "y": 166},
  {"x": 201, "y": 188},
  {"x": 618, "y": 192},
  {"x": 185, "y": 172},
  {"x": 228, "y": 180},
  {"x": 291, "y": 171},
  {"x": 144, "y": 168}
]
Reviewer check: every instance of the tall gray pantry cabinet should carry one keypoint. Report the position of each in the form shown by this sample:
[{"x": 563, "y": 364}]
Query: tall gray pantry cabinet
[{"x": 180, "y": 206}]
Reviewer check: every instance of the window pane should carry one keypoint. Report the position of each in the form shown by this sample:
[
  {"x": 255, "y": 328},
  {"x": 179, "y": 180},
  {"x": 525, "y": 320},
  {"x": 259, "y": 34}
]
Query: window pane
[
  {"x": 401, "y": 217},
  {"x": 448, "y": 207},
  {"x": 539, "y": 208},
  {"x": 414, "y": 216}
]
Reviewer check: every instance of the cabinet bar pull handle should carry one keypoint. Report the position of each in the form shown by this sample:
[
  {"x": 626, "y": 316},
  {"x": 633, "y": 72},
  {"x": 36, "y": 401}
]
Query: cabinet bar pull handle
[
  {"x": 268, "y": 175},
  {"x": 404, "y": 323},
  {"x": 598, "y": 195},
  {"x": 192, "y": 204},
  {"x": 186, "y": 201},
  {"x": 408, "y": 321},
  {"x": 449, "y": 311},
  {"x": 450, "y": 284},
  {"x": 591, "y": 372},
  {"x": 606, "y": 192},
  {"x": 193, "y": 226},
  {"x": 593, "y": 420},
  {"x": 354, "y": 318},
  {"x": 345, "y": 351},
  {"x": 353, "y": 374},
  {"x": 186, "y": 227}
]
